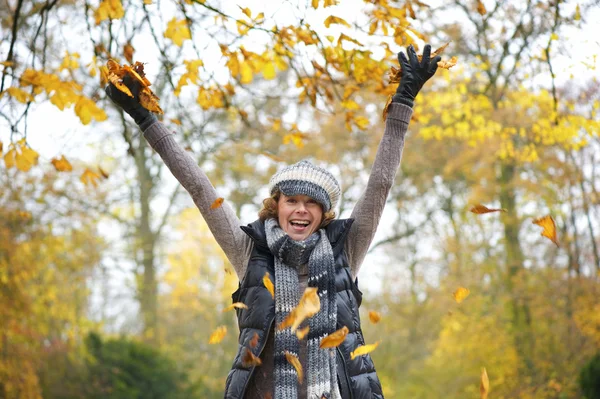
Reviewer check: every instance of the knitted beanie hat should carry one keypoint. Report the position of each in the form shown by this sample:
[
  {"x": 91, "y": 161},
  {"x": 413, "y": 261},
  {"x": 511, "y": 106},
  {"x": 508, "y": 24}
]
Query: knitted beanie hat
[{"x": 307, "y": 179}]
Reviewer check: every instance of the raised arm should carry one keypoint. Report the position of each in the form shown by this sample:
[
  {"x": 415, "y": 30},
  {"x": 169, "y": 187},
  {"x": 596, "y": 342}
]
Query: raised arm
[
  {"x": 369, "y": 208},
  {"x": 222, "y": 221}
]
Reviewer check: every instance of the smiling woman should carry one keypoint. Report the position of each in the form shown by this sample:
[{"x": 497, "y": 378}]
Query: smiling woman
[{"x": 298, "y": 241}]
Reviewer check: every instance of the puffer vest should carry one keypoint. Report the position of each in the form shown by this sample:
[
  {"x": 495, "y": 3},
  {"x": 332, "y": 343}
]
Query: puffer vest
[{"x": 357, "y": 378}]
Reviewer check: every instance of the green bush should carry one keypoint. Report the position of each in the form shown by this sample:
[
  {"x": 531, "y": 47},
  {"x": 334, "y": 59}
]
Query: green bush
[{"x": 589, "y": 378}]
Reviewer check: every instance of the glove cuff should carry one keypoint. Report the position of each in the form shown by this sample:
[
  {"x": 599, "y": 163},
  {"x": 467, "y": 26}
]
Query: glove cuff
[
  {"x": 398, "y": 98},
  {"x": 146, "y": 122}
]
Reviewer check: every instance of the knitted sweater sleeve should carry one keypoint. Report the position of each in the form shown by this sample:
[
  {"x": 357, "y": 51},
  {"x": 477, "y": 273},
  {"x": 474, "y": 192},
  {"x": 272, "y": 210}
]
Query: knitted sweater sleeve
[
  {"x": 369, "y": 208},
  {"x": 222, "y": 222}
]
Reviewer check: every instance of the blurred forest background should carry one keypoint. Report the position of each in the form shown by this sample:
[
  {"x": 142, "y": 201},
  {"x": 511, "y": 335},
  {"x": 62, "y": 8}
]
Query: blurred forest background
[{"x": 111, "y": 283}]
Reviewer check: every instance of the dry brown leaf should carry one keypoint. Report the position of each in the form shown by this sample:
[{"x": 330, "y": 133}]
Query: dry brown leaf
[
  {"x": 249, "y": 359},
  {"x": 308, "y": 306},
  {"x": 447, "y": 64},
  {"x": 363, "y": 350},
  {"x": 374, "y": 317},
  {"x": 254, "y": 340},
  {"x": 217, "y": 203},
  {"x": 480, "y": 209},
  {"x": 301, "y": 333},
  {"x": 149, "y": 100},
  {"x": 481, "y": 8},
  {"x": 484, "y": 388},
  {"x": 334, "y": 339},
  {"x": 294, "y": 361},
  {"x": 236, "y": 305},
  {"x": 128, "y": 51},
  {"x": 115, "y": 80},
  {"x": 217, "y": 335},
  {"x": 549, "y": 228},
  {"x": 386, "y": 106},
  {"x": 269, "y": 284},
  {"x": 460, "y": 294}
]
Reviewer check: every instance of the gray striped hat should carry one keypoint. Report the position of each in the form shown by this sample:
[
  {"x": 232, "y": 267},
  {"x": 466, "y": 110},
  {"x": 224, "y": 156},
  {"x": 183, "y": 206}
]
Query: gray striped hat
[{"x": 307, "y": 179}]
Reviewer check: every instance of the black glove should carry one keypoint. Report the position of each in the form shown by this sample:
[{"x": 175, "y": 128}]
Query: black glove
[
  {"x": 414, "y": 74},
  {"x": 131, "y": 105}
]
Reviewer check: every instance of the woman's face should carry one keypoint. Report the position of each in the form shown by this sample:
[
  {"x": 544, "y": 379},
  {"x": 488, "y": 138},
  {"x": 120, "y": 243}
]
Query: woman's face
[{"x": 299, "y": 215}]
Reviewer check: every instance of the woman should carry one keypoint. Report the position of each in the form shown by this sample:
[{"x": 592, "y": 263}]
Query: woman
[{"x": 299, "y": 244}]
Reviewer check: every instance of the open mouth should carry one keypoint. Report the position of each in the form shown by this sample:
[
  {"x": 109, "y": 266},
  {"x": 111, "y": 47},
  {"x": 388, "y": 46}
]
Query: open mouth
[{"x": 299, "y": 226}]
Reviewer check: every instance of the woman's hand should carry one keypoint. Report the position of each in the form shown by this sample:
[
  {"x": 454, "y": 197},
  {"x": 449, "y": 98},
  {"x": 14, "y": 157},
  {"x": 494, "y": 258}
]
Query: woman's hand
[
  {"x": 131, "y": 105},
  {"x": 414, "y": 74}
]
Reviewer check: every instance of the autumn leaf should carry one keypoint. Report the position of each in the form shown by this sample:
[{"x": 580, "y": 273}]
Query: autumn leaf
[
  {"x": 128, "y": 51},
  {"x": 386, "y": 107},
  {"x": 460, "y": 294},
  {"x": 89, "y": 177},
  {"x": 547, "y": 222},
  {"x": 363, "y": 350},
  {"x": 269, "y": 284},
  {"x": 19, "y": 155},
  {"x": 116, "y": 75},
  {"x": 249, "y": 359},
  {"x": 217, "y": 335},
  {"x": 308, "y": 306},
  {"x": 374, "y": 317},
  {"x": 447, "y": 64},
  {"x": 217, "y": 203},
  {"x": 61, "y": 164},
  {"x": 86, "y": 109},
  {"x": 236, "y": 305},
  {"x": 18, "y": 94},
  {"x": 335, "y": 20},
  {"x": 254, "y": 340},
  {"x": 484, "y": 387},
  {"x": 294, "y": 361},
  {"x": 480, "y": 209},
  {"x": 334, "y": 339},
  {"x": 109, "y": 9},
  {"x": 301, "y": 333},
  {"x": 178, "y": 31},
  {"x": 481, "y": 8}
]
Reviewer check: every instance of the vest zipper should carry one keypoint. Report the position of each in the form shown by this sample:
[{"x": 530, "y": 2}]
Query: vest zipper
[
  {"x": 259, "y": 353},
  {"x": 346, "y": 373}
]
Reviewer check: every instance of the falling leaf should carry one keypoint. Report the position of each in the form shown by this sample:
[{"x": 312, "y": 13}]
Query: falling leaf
[
  {"x": 249, "y": 359},
  {"x": 374, "y": 317},
  {"x": 363, "y": 350},
  {"x": 178, "y": 31},
  {"x": 176, "y": 121},
  {"x": 269, "y": 284},
  {"x": 447, "y": 64},
  {"x": 481, "y": 8},
  {"x": 484, "y": 388},
  {"x": 549, "y": 228},
  {"x": 217, "y": 203},
  {"x": 460, "y": 294},
  {"x": 480, "y": 209},
  {"x": 335, "y": 20},
  {"x": 301, "y": 333},
  {"x": 254, "y": 340},
  {"x": 128, "y": 51},
  {"x": 386, "y": 107},
  {"x": 236, "y": 305},
  {"x": 334, "y": 339},
  {"x": 577, "y": 15},
  {"x": 294, "y": 361},
  {"x": 308, "y": 306},
  {"x": 217, "y": 335},
  {"x": 89, "y": 177},
  {"x": 61, "y": 164}
]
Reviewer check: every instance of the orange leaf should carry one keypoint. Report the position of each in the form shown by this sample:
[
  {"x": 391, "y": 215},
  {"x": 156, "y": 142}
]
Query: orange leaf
[
  {"x": 60, "y": 164},
  {"x": 249, "y": 359},
  {"x": 363, "y": 350},
  {"x": 269, "y": 284},
  {"x": 293, "y": 360},
  {"x": 217, "y": 335},
  {"x": 334, "y": 339},
  {"x": 236, "y": 305},
  {"x": 301, "y": 333},
  {"x": 448, "y": 64},
  {"x": 254, "y": 340},
  {"x": 374, "y": 317},
  {"x": 549, "y": 228},
  {"x": 481, "y": 8},
  {"x": 217, "y": 203},
  {"x": 308, "y": 306},
  {"x": 480, "y": 209},
  {"x": 460, "y": 294},
  {"x": 128, "y": 51},
  {"x": 484, "y": 388}
]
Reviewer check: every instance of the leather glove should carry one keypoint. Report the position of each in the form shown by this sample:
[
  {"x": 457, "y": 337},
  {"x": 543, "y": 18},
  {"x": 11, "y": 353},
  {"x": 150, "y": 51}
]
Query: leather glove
[
  {"x": 131, "y": 105},
  {"x": 414, "y": 74}
]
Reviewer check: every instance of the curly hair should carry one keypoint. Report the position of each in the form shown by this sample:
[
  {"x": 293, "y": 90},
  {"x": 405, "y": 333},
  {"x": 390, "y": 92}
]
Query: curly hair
[{"x": 269, "y": 210}]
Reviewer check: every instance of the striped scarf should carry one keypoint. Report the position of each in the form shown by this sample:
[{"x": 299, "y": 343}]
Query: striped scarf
[{"x": 289, "y": 255}]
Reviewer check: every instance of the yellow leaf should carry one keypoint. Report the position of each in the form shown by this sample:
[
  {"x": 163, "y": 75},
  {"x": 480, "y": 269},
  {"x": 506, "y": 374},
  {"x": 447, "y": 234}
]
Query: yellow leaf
[
  {"x": 363, "y": 350},
  {"x": 315, "y": 4},
  {"x": 269, "y": 284},
  {"x": 217, "y": 335},
  {"x": 577, "y": 16},
  {"x": 362, "y": 122},
  {"x": 246, "y": 73},
  {"x": 484, "y": 388},
  {"x": 547, "y": 222},
  {"x": 149, "y": 100},
  {"x": 269, "y": 71},
  {"x": 460, "y": 294},
  {"x": 20, "y": 95},
  {"x": 350, "y": 105},
  {"x": 334, "y": 339},
  {"x": 335, "y": 20},
  {"x": 480, "y": 209},
  {"x": 308, "y": 306},
  {"x": 447, "y": 64},
  {"x": 109, "y": 9},
  {"x": 178, "y": 31},
  {"x": 374, "y": 317},
  {"x": 294, "y": 361},
  {"x": 148, "y": 2},
  {"x": 296, "y": 138},
  {"x": 86, "y": 110},
  {"x": 246, "y": 11},
  {"x": 236, "y": 305},
  {"x": 301, "y": 333},
  {"x": 69, "y": 62},
  {"x": 276, "y": 124},
  {"x": 61, "y": 164},
  {"x": 554, "y": 36},
  {"x": 89, "y": 177},
  {"x": 481, "y": 8}
]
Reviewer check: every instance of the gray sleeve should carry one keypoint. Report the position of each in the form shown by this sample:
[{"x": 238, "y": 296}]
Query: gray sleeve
[
  {"x": 222, "y": 222},
  {"x": 368, "y": 209}
]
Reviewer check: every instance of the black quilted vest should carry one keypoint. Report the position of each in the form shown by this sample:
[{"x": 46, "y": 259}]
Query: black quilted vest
[{"x": 357, "y": 378}]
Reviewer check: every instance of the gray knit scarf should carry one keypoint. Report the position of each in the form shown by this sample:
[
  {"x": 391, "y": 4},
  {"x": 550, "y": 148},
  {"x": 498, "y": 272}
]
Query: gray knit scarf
[{"x": 289, "y": 255}]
